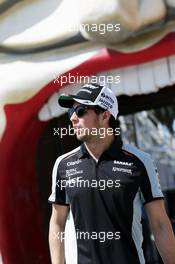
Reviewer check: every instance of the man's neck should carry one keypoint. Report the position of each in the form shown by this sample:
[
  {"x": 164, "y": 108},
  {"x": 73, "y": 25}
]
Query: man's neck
[{"x": 98, "y": 146}]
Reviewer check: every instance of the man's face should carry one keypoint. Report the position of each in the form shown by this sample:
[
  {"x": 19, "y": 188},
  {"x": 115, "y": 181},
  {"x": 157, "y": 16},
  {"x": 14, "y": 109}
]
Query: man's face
[{"x": 84, "y": 125}]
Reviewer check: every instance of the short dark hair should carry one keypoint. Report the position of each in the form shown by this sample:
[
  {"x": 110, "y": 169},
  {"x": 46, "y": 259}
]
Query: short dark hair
[
  {"x": 98, "y": 109},
  {"x": 113, "y": 123}
]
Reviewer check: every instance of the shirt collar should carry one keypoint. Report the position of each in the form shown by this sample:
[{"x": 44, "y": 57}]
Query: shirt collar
[
  {"x": 112, "y": 151},
  {"x": 83, "y": 152}
]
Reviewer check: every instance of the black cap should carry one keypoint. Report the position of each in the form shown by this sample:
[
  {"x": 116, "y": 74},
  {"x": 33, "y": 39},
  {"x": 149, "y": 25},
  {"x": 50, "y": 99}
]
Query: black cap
[
  {"x": 87, "y": 94},
  {"x": 92, "y": 94}
]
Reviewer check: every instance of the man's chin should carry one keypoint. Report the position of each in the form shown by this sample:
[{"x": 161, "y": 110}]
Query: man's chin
[{"x": 82, "y": 137}]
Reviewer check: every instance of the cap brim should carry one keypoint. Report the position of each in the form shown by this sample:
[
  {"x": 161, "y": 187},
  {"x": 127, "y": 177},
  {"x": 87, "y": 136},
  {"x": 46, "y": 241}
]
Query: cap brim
[{"x": 66, "y": 101}]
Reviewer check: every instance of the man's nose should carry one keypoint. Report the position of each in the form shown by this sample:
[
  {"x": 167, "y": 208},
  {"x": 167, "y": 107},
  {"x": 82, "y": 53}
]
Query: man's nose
[{"x": 74, "y": 118}]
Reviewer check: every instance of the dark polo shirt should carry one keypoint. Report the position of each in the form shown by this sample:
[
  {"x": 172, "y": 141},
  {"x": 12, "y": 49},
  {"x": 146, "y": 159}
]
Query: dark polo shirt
[{"x": 106, "y": 199}]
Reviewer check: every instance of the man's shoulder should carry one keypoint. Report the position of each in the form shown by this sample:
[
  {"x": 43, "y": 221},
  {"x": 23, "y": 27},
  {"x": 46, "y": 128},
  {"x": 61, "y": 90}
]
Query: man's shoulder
[
  {"x": 143, "y": 156},
  {"x": 67, "y": 155}
]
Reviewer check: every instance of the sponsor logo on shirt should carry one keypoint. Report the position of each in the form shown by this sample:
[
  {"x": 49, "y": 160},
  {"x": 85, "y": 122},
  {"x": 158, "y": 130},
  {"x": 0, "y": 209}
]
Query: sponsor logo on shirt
[
  {"x": 122, "y": 170},
  {"x": 72, "y": 172},
  {"x": 72, "y": 163},
  {"x": 123, "y": 163},
  {"x": 73, "y": 180}
]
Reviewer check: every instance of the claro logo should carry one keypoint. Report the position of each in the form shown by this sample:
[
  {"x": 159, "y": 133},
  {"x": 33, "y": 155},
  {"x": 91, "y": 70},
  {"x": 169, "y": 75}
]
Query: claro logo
[{"x": 72, "y": 163}]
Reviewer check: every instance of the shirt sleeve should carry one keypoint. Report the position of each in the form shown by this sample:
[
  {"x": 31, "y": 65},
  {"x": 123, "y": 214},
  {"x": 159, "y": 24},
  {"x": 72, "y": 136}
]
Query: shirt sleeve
[
  {"x": 59, "y": 194},
  {"x": 150, "y": 184}
]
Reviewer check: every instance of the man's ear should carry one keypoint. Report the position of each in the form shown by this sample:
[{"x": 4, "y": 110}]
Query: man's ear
[{"x": 105, "y": 116}]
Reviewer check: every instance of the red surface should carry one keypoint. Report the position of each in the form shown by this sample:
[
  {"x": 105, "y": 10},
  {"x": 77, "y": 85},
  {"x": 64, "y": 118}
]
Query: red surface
[{"x": 21, "y": 230}]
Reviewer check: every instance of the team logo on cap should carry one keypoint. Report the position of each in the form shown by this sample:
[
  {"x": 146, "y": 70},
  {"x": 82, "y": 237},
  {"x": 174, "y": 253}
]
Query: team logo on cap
[
  {"x": 103, "y": 95},
  {"x": 107, "y": 97},
  {"x": 106, "y": 100},
  {"x": 91, "y": 86}
]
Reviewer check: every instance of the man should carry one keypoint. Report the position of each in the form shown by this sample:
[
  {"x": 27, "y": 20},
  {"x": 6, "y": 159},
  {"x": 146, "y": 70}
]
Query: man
[{"x": 105, "y": 183}]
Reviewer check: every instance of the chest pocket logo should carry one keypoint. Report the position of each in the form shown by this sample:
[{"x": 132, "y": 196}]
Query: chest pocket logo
[{"x": 129, "y": 171}]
